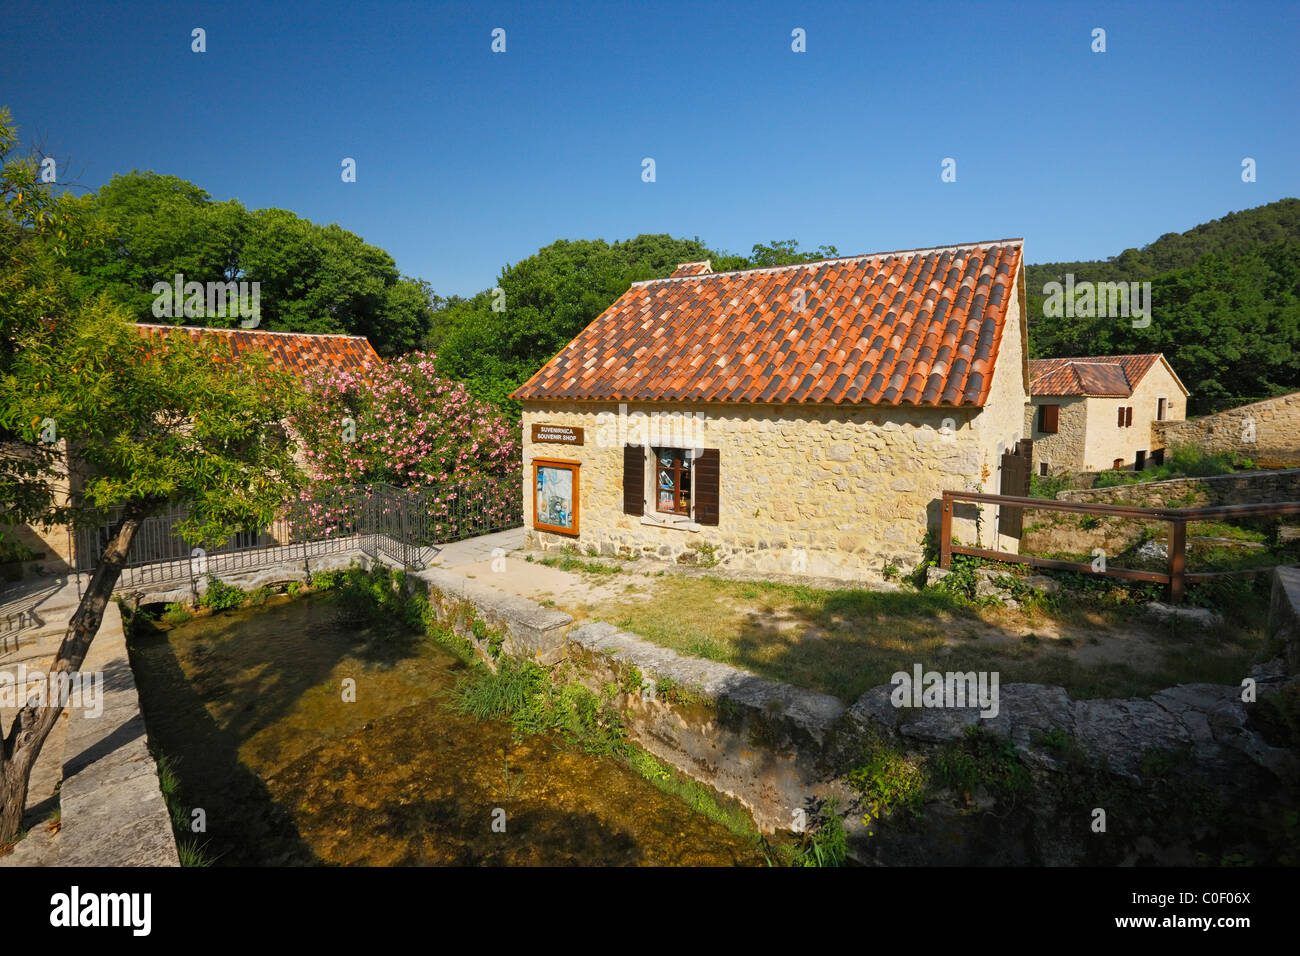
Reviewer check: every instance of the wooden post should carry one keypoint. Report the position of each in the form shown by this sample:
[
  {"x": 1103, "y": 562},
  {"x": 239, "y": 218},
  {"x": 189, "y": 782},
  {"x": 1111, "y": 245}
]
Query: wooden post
[
  {"x": 1177, "y": 559},
  {"x": 945, "y": 533}
]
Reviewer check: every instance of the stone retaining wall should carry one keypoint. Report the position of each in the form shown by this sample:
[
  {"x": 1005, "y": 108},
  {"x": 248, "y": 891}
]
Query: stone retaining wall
[
  {"x": 1266, "y": 432},
  {"x": 113, "y": 809},
  {"x": 1249, "y": 487}
]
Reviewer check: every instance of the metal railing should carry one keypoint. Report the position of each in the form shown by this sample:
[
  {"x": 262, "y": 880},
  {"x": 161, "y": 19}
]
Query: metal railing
[
  {"x": 405, "y": 526},
  {"x": 1176, "y": 576}
]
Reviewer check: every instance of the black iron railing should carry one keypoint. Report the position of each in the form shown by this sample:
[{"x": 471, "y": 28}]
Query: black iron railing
[{"x": 405, "y": 526}]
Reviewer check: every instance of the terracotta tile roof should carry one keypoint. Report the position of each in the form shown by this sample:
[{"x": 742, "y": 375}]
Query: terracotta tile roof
[
  {"x": 296, "y": 352},
  {"x": 1103, "y": 376},
  {"x": 693, "y": 269},
  {"x": 920, "y": 327}
]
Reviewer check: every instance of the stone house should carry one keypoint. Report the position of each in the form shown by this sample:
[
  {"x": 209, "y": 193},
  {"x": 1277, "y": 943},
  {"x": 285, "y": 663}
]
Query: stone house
[
  {"x": 801, "y": 418},
  {"x": 298, "y": 353},
  {"x": 1098, "y": 413}
]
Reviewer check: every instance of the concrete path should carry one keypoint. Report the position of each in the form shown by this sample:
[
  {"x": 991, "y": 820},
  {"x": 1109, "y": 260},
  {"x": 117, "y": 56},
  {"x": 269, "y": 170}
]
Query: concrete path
[{"x": 474, "y": 550}]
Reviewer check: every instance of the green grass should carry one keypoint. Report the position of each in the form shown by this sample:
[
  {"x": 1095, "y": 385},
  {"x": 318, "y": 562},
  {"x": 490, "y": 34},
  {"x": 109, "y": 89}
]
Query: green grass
[
  {"x": 577, "y": 564},
  {"x": 176, "y": 613},
  {"x": 860, "y": 638},
  {"x": 825, "y": 843},
  {"x": 191, "y": 851}
]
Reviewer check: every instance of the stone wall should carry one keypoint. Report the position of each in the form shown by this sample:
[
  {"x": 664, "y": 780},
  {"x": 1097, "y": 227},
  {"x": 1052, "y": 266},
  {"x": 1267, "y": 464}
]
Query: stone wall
[
  {"x": 53, "y": 544},
  {"x": 1252, "y": 487},
  {"x": 1276, "y": 438},
  {"x": 1001, "y": 423},
  {"x": 1064, "y": 450},
  {"x": 822, "y": 490}
]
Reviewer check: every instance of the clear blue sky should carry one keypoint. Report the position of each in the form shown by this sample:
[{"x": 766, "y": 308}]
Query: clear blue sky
[{"x": 469, "y": 160}]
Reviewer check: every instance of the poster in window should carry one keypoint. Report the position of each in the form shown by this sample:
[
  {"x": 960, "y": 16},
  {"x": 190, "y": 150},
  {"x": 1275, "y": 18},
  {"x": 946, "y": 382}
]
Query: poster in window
[{"x": 556, "y": 490}]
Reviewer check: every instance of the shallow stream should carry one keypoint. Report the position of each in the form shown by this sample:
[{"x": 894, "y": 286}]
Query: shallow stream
[{"x": 249, "y": 708}]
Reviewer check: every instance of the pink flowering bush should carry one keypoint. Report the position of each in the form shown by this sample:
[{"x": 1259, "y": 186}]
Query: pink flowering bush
[{"x": 407, "y": 427}]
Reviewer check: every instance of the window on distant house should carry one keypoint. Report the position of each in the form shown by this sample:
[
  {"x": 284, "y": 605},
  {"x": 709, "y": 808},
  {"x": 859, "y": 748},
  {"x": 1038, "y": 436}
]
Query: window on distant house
[
  {"x": 1048, "y": 418},
  {"x": 1118, "y": 464},
  {"x": 1042, "y": 468},
  {"x": 1160, "y": 409}
]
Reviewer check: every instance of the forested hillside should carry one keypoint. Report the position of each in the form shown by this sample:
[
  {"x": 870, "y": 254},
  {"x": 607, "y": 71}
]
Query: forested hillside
[{"x": 1225, "y": 303}]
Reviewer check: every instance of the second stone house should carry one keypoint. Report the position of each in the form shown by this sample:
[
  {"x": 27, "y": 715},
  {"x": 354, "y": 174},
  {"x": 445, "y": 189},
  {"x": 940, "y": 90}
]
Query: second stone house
[
  {"x": 797, "y": 418},
  {"x": 1097, "y": 413}
]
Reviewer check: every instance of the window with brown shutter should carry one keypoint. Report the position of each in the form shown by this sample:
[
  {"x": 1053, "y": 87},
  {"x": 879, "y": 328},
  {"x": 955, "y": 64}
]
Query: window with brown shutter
[
  {"x": 1049, "y": 418},
  {"x": 707, "y": 470},
  {"x": 633, "y": 479},
  {"x": 1121, "y": 416},
  {"x": 1128, "y": 417}
]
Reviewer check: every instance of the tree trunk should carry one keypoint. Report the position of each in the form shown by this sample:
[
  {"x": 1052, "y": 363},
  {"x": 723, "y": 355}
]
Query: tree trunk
[{"x": 33, "y": 724}]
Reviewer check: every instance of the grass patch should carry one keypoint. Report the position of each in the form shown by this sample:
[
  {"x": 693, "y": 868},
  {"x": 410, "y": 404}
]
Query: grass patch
[
  {"x": 176, "y": 613},
  {"x": 981, "y": 759},
  {"x": 843, "y": 642},
  {"x": 570, "y": 563},
  {"x": 189, "y": 848}
]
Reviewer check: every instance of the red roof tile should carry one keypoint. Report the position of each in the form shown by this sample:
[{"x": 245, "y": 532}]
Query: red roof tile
[
  {"x": 693, "y": 269},
  {"x": 296, "y": 352},
  {"x": 1102, "y": 375},
  {"x": 920, "y": 327}
]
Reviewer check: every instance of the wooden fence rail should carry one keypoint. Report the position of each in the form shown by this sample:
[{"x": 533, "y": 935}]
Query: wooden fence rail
[{"x": 1176, "y": 576}]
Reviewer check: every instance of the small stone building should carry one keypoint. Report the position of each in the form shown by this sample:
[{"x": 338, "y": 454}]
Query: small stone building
[
  {"x": 1098, "y": 413},
  {"x": 801, "y": 418}
]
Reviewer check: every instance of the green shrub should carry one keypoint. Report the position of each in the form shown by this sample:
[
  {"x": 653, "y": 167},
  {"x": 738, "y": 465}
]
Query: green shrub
[
  {"x": 258, "y": 596},
  {"x": 221, "y": 596},
  {"x": 325, "y": 580},
  {"x": 979, "y": 759},
  {"x": 888, "y": 781},
  {"x": 825, "y": 843},
  {"x": 176, "y": 613},
  {"x": 1047, "y": 486},
  {"x": 523, "y": 693}
]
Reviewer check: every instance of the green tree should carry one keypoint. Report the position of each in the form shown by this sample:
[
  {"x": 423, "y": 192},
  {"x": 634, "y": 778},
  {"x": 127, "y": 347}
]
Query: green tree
[
  {"x": 322, "y": 279},
  {"x": 495, "y": 341},
  {"x": 150, "y": 425}
]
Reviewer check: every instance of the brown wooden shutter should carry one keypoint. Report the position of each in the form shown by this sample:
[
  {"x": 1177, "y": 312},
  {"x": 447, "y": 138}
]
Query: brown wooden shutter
[
  {"x": 1049, "y": 419},
  {"x": 1121, "y": 416},
  {"x": 1128, "y": 417},
  {"x": 707, "y": 471},
  {"x": 633, "y": 480}
]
